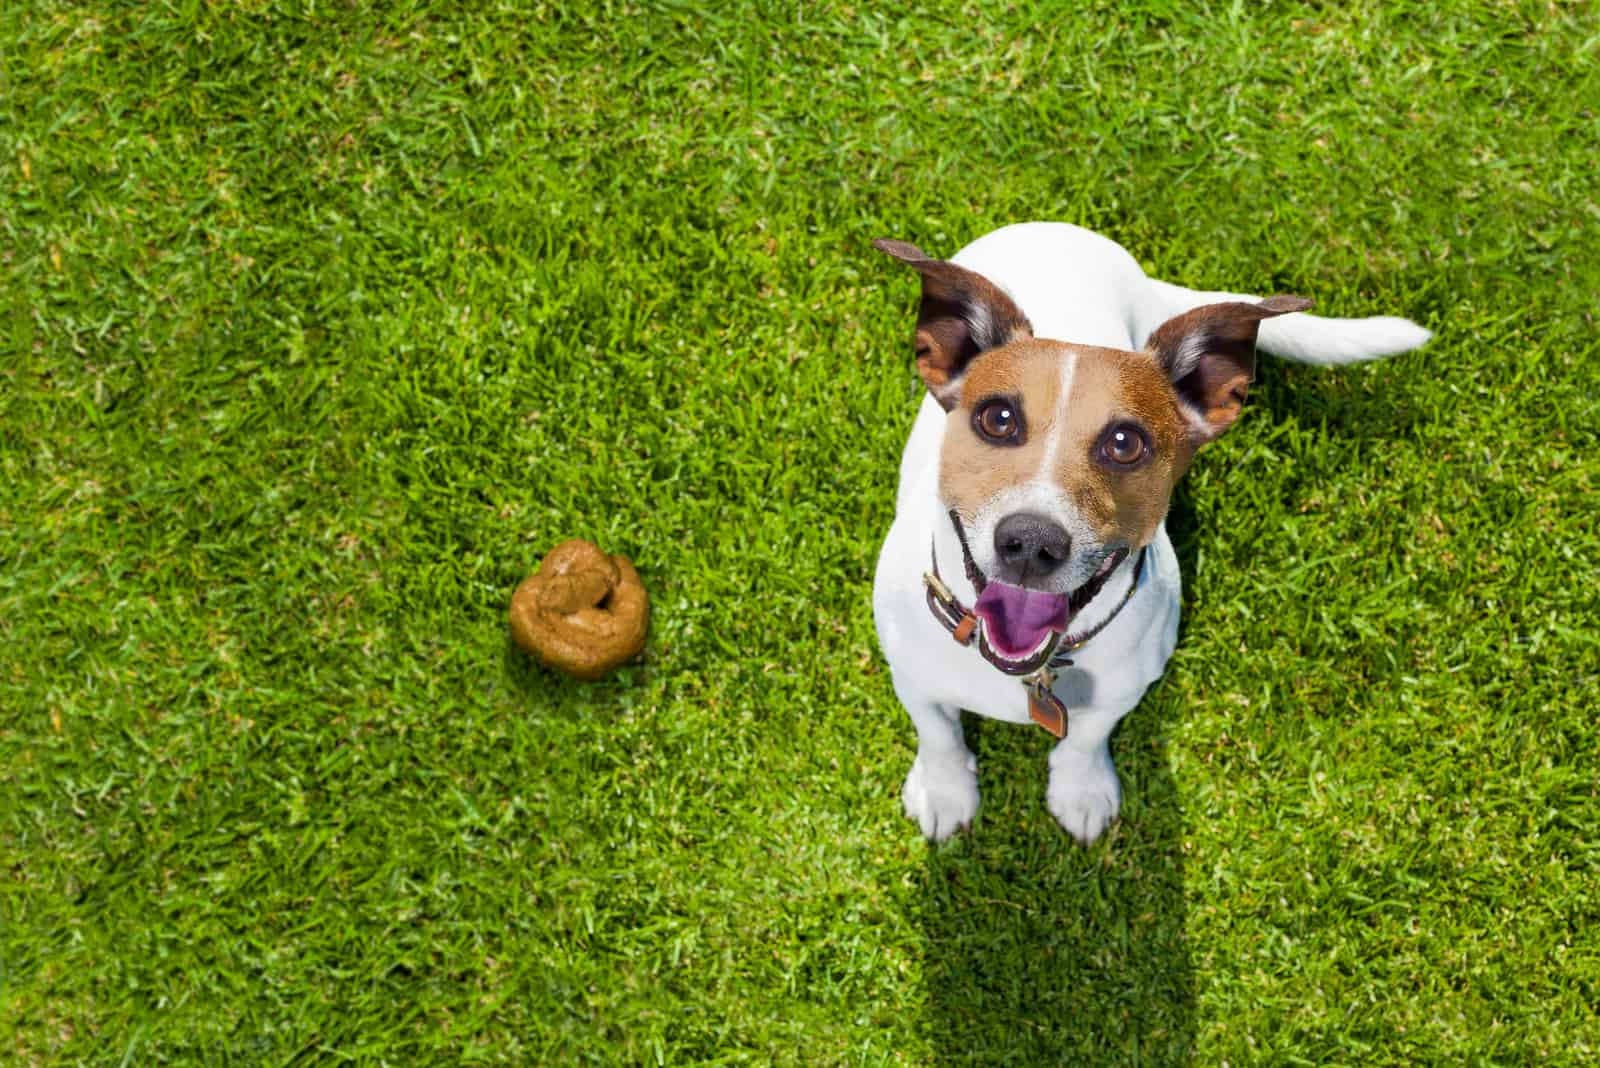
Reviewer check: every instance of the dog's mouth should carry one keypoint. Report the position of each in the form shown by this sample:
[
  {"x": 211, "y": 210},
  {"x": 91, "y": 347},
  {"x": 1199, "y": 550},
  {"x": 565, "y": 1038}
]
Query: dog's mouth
[{"x": 1020, "y": 625}]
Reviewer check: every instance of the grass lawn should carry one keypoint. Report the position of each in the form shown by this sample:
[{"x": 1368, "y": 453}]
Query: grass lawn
[{"x": 319, "y": 327}]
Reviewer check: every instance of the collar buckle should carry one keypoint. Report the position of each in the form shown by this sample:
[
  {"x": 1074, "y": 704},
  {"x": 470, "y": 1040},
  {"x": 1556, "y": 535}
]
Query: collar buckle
[{"x": 940, "y": 590}]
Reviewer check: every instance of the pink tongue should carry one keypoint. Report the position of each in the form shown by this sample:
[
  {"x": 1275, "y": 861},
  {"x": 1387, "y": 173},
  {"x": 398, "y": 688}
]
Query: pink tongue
[{"x": 1016, "y": 620}]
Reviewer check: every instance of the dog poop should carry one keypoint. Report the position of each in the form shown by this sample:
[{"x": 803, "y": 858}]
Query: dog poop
[{"x": 583, "y": 612}]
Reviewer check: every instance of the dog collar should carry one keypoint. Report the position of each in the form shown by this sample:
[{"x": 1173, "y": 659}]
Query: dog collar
[{"x": 1044, "y": 707}]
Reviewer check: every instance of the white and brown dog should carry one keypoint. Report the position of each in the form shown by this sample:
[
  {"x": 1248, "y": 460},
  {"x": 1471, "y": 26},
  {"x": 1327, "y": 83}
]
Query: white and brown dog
[{"x": 1028, "y": 574}]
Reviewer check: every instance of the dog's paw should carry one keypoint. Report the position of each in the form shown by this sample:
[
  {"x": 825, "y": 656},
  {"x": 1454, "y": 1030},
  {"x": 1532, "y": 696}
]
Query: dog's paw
[
  {"x": 942, "y": 795},
  {"x": 1084, "y": 794}
]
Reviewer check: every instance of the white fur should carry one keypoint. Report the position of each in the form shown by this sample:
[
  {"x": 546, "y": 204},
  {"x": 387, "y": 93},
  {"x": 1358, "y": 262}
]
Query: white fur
[
  {"x": 1075, "y": 286},
  {"x": 1069, "y": 364}
]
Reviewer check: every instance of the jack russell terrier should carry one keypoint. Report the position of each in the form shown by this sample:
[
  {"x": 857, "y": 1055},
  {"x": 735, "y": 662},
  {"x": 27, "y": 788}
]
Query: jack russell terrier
[{"x": 1028, "y": 574}]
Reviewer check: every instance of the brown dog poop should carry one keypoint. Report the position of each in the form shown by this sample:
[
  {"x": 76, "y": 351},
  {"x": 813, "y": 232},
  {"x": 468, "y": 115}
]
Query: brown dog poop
[{"x": 582, "y": 612}]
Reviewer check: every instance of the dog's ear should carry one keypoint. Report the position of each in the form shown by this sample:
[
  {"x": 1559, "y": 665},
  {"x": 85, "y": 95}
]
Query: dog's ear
[
  {"x": 1210, "y": 354},
  {"x": 962, "y": 314}
]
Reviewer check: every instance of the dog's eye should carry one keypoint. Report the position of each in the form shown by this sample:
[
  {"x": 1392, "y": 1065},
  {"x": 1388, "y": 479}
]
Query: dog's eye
[
  {"x": 998, "y": 421},
  {"x": 1124, "y": 444}
]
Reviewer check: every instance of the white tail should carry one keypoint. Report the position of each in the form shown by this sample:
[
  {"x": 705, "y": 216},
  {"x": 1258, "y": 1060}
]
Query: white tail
[{"x": 1300, "y": 336}]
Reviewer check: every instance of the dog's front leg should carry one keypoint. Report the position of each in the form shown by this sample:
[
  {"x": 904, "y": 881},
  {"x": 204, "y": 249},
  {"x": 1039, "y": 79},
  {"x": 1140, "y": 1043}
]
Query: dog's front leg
[
  {"x": 941, "y": 792},
  {"x": 1084, "y": 795}
]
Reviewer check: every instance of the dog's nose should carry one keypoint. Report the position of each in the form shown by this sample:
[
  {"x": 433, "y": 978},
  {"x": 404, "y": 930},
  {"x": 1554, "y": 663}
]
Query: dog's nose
[{"x": 1031, "y": 545}]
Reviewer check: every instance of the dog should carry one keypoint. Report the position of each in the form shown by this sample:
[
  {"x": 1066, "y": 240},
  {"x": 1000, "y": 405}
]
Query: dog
[{"x": 1027, "y": 575}]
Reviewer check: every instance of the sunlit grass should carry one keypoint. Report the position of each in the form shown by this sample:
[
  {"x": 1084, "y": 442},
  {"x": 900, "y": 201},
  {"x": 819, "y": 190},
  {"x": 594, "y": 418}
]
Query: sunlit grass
[{"x": 320, "y": 327}]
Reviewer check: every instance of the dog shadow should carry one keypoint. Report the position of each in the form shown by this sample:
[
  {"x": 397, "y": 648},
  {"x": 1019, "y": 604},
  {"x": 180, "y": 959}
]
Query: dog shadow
[{"x": 1041, "y": 951}]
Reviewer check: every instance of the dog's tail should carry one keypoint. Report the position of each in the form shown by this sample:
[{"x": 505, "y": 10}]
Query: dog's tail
[{"x": 1298, "y": 336}]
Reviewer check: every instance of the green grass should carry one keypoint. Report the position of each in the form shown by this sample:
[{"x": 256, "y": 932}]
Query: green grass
[{"x": 319, "y": 327}]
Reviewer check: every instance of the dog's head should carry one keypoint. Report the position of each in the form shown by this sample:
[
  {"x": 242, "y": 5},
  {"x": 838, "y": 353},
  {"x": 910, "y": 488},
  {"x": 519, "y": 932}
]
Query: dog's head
[{"x": 1060, "y": 459}]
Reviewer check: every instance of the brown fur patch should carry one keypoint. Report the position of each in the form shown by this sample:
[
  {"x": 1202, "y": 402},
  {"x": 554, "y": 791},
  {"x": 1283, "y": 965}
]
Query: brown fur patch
[
  {"x": 1109, "y": 386},
  {"x": 972, "y": 470},
  {"x": 1123, "y": 506}
]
